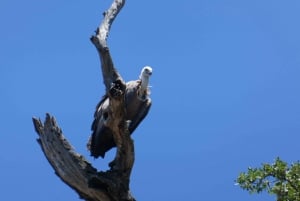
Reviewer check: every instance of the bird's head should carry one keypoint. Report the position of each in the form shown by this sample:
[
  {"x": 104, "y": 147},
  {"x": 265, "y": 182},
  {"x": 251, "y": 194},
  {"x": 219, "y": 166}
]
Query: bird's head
[{"x": 146, "y": 72}]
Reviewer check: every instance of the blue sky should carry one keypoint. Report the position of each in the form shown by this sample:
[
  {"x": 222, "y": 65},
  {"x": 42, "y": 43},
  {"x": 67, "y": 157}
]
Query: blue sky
[{"x": 225, "y": 91}]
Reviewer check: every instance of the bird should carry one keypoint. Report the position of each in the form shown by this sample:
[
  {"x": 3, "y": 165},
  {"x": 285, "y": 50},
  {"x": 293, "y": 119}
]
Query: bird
[{"x": 137, "y": 103}]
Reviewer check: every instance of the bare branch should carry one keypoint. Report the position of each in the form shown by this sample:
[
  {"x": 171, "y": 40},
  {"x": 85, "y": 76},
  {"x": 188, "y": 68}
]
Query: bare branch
[
  {"x": 71, "y": 167},
  {"x": 104, "y": 28},
  {"x": 115, "y": 89},
  {"x": 109, "y": 73}
]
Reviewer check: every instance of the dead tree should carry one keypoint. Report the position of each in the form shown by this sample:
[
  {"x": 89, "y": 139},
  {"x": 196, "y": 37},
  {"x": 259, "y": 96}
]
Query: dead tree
[{"x": 73, "y": 168}]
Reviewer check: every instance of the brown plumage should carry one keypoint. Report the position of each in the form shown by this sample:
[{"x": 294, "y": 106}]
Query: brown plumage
[{"x": 137, "y": 102}]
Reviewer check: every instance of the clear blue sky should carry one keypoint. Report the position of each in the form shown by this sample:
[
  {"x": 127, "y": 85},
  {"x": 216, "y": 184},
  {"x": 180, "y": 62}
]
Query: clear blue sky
[{"x": 225, "y": 91}]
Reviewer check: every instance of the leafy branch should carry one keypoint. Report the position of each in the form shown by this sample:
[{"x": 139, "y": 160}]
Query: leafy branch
[{"x": 278, "y": 178}]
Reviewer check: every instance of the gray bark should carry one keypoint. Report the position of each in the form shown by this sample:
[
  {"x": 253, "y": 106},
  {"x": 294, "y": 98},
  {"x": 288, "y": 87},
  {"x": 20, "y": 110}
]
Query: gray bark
[{"x": 73, "y": 168}]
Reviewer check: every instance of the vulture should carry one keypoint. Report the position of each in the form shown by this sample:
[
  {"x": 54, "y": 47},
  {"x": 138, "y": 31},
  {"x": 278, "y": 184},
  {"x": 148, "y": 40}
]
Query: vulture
[{"x": 137, "y": 103}]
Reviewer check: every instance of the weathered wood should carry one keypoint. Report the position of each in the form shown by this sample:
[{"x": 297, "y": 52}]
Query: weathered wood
[
  {"x": 110, "y": 74},
  {"x": 73, "y": 168},
  {"x": 115, "y": 88},
  {"x": 70, "y": 166}
]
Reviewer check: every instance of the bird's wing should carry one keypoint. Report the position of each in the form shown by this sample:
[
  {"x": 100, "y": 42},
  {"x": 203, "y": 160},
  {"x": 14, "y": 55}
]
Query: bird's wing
[
  {"x": 101, "y": 139},
  {"x": 143, "y": 111},
  {"x": 100, "y": 107}
]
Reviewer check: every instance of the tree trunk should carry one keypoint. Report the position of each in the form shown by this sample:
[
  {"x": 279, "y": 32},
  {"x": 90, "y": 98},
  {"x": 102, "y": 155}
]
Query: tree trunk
[{"x": 73, "y": 168}]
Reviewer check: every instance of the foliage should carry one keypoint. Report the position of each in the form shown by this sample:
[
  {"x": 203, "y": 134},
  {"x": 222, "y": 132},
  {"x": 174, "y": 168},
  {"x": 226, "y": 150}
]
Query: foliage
[{"x": 278, "y": 178}]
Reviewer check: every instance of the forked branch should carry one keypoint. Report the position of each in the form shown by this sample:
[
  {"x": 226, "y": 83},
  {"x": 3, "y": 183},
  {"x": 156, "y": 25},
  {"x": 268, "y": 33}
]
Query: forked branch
[
  {"x": 70, "y": 166},
  {"x": 73, "y": 168}
]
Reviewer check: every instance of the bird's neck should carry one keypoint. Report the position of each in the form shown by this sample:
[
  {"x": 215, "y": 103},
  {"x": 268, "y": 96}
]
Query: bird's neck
[
  {"x": 145, "y": 83},
  {"x": 144, "y": 90}
]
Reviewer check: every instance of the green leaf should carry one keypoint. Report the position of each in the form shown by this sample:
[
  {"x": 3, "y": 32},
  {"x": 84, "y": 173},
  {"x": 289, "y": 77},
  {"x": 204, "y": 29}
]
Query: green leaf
[{"x": 278, "y": 178}]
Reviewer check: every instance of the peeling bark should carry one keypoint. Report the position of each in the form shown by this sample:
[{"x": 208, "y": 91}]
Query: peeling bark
[{"x": 73, "y": 168}]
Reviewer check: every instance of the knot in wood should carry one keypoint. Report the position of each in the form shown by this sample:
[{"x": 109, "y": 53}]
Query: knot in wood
[{"x": 117, "y": 88}]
